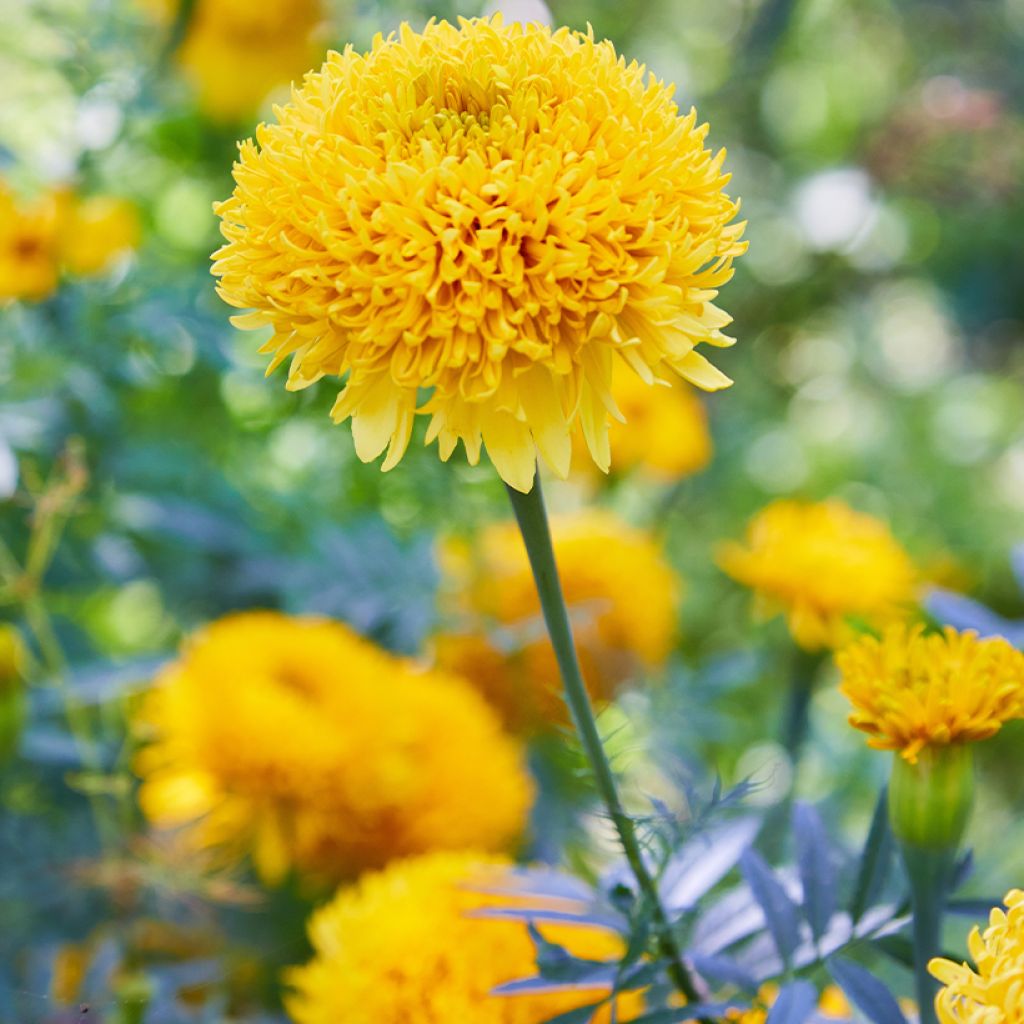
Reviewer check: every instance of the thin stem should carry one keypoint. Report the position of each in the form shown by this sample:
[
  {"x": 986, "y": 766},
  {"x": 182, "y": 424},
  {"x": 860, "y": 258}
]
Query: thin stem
[
  {"x": 801, "y": 690},
  {"x": 928, "y": 872},
  {"x": 533, "y": 525}
]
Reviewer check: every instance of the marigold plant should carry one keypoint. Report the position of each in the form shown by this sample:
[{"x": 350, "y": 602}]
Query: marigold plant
[
  {"x": 298, "y": 740},
  {"x": 911, "y": 690},
  {"x": 992, "y": 993},
  {"x": 402, "y": 946},
  {"x": 822, "y": 564},
  {"x": 497, "y": 213},
  {"x": 622, "y": 595}
]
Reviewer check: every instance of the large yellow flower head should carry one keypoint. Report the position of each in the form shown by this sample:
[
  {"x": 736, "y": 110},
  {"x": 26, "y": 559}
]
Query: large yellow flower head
[
  {"x": 822, "y": 564},
  {"x": 236, "y": 51},
  {"x": 622, "y": 596},
  {"x": 665, "y": 434},
  {"x": 301, "y": 742},
  {"x": 400, "y": 946},
  {"x": 28, "y": 246},
  {"x": 994, "y": 992},
  {"x": 912, "y": 690},
  {"x": 495, "y": 214}
]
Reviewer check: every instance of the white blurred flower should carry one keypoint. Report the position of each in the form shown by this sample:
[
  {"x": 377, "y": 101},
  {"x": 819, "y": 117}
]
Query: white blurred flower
[{"x": 834, "y": 207}]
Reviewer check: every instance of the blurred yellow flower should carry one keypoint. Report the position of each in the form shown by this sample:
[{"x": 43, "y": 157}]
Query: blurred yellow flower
[
  {"x": 400, "y": 947},
  {"x": 622, "y": 596},
  {"x": 832, "y": 1004},
  {"x": 300, "y": 741},
  {"x": 994, "y": 992},
  {"x": 236, "y": 51},
  {"x": 665, "y": 433},
  {"x": 28, "y": 246},
  {"x": 822, "y": 564},
  {"x": 910, "y": 690},
  {"x": 499, "y": 214},
  {"x": 95, "y": 231}
]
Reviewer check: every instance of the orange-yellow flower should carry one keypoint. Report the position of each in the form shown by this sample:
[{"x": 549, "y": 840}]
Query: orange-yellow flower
[
  {"x": 822, "y": 564},
  {"x": 992, "y": 993},
  {"x": 497, "y": 215},
  {"x": 665, "y": 431},
  {"x": 911, "y": 690},
  {"x": 236, "y": 51},
  {"x": 401, "y": 947},
  {"x": 95, "y": 232},
  {"x": 298, "y": 741},
  {"x": 28, "y": 246},
  {"x": 622, "y": 596}
]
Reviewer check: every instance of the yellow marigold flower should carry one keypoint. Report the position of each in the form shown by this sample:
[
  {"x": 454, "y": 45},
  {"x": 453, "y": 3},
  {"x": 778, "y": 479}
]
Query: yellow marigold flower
[
  {"x": 665, "y": 433},
  {"x": 622, "y": 596},
  {"x": 95, "y": 231},
  {"x": 300, "y": 741},
  {"x": 28, "y": 246},
  {"x": 822, "y": 564},
  {"x": 994, "y": 992},
  {"x": 498, "y": 214},
  {"x": 910, "y": 690},
  {"x": 400, "y": 946},
  {"x": 236, "y": 51}
]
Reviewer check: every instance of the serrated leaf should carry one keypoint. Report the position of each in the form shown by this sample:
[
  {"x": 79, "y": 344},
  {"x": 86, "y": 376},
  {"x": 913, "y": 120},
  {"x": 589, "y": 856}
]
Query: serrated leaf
[
  {"x": 704, "y": 861},
  {"x": 795, "y": 1003},
  {"x": 687, "y": 1013},
  {"x": 539, "y": 985},
  {"x": 723, "y": 970},
  {"x": 581, "y": 1015},
  {"x": 817, "y": 873},
  {"x": 781, "y": 915},
  {"x": 875, "y": 859},
  {"x": 546, "y": 915},
  {"x": 555, "y": 963},
  {"x": 866, "y": 992}
]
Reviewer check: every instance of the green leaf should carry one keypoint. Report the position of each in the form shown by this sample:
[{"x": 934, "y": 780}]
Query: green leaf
[
  {"x": 817, "y": 873},
  {"x": 875, "y": 859}
]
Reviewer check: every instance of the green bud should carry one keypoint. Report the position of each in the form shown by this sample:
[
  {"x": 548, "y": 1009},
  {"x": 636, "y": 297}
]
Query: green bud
[{"x": 930, "y": 801}]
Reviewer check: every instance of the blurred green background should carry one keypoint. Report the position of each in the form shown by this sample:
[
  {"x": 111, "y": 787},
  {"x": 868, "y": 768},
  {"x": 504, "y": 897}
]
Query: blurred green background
[{"x": 878, "y": 148}]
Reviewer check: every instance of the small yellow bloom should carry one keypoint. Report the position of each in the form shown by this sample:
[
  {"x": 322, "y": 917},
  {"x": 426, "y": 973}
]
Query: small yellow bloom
[
  {"x": 665, "y": 430},
  {"x": 400, "y": 947},
  {"x": 95, "y": 232},
  {"x": 910, "y": 690},
  {"x": 622, "y": 596},
  {"x": 500, "y": 215},
  {"x": 28, "y": 246},
  {"x": 822, "y": 564},
  {"x": 236, "y": 51},
  {"x": 993, "y": 993},
  {"x": 299, "y": 741}
]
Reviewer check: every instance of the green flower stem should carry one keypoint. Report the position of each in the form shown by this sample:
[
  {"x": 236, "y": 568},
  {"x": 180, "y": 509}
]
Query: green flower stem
[
  {"x": 928, "y": 872},
  {"x": 929, "y": 804},
  {"x": 801, "y": 690},
  {"x": 533, "y": 524}
]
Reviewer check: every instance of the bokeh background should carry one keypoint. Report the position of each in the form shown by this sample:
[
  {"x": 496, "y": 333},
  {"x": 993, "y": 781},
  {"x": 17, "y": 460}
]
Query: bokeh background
[{"x": 878, "y": 148}]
